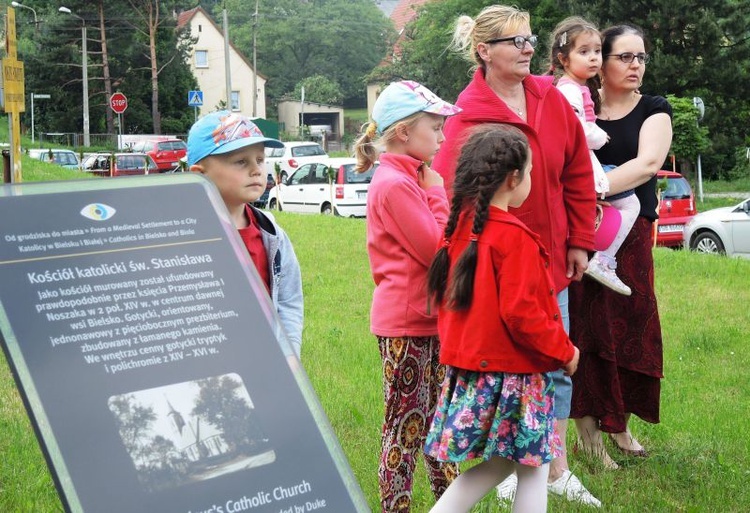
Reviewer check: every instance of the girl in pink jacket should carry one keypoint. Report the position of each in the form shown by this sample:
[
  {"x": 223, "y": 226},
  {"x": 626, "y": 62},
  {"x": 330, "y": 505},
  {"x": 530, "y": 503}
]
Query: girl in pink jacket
[{"x": 407, "y": 210}]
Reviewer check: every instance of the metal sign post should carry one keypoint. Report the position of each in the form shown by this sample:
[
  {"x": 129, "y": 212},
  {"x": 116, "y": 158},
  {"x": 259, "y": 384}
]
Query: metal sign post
[
  {"x": 35, "y": 96},
  {"x": 698, "y": 103},
  {"x": 195, "y": 100}
]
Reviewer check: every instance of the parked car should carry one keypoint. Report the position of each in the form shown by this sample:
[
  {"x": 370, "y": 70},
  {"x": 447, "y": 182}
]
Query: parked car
[
  {"x": 165, "y": 152},
  {"x": 677, "y": 208},
  {"x": 125, "y": 164},
  {"x": 308, "y": 189},
  {"x": 262, "y": 202},
  {"x": 292, "y": 156},
  {"x": 61, "y": 157},
  {"x": 723, "y": 230}
]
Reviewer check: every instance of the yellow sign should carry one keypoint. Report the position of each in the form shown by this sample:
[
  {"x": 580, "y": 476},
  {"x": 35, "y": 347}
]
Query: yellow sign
[
  {"x": 13, "y": 85},
  {"x": 13, "y": 93}
]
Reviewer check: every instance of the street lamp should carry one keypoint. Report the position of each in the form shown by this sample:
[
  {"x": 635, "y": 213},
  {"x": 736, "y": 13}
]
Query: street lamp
[
  {"x": 84, "y": 64},
  {"x": 698, "y": 103},
  {"x": 36, "y": 21}
]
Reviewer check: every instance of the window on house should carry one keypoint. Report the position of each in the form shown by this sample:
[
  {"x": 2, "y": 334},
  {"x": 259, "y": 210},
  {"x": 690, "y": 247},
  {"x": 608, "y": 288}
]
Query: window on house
[
  {"x": 235, "y": 100},
  {"x": 201, "y": 58}
]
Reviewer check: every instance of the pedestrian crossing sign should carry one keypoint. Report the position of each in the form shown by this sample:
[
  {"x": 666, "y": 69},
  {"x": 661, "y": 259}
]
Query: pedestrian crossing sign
[{"x": 195, "y": 98}]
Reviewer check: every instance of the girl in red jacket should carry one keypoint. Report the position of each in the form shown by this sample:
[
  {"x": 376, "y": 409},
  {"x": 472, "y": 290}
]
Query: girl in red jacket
[
  {"x": 406, "y": 213},
  {"x": 500, "y": 328}
]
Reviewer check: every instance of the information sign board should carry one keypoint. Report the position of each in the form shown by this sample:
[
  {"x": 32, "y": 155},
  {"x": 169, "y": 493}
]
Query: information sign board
[{"x": 151, "y": 359}]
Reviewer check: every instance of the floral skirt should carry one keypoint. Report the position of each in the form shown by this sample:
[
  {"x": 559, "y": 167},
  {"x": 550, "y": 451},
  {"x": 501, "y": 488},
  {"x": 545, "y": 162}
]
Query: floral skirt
[{"x": 486, "y": 414}]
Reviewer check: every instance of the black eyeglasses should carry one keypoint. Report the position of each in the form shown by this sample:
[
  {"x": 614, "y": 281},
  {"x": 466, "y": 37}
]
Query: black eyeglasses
[
  {"x": 518, "y": 41},
  {"x": 629, "y": 57}
]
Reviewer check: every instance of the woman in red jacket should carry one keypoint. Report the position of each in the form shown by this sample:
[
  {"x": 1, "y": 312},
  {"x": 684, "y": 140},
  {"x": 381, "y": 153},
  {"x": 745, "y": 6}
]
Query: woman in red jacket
[
  {"x": 500, "y": 328},
  {"x": 561, "y": 207}
]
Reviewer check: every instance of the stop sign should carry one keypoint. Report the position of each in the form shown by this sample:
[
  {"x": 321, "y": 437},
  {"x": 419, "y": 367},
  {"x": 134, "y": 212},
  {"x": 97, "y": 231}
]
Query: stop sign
[{"x": 118, "y": 102}]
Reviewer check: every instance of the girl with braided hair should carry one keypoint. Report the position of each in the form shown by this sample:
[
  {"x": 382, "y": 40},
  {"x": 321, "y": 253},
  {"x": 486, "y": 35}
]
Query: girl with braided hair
[{"x": 500, "y": 330}]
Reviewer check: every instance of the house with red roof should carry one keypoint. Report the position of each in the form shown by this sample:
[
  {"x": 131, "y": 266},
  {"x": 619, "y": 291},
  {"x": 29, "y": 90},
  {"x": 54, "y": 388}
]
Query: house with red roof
[{"x": 403, "y": 13}]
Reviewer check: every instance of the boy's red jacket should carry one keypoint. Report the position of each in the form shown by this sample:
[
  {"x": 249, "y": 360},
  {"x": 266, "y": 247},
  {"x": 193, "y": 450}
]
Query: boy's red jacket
[
  {"x": 513, "y": 323},
  {"x": 562, "y": 205}
]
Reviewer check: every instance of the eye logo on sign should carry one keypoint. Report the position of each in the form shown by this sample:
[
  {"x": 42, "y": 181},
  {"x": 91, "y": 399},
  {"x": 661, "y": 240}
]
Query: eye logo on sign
[{"x": 98, "y": 211}]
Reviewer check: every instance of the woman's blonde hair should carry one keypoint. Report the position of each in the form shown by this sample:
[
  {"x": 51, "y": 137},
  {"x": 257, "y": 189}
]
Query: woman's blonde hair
[
  {"x": 490, "y": 23},
  {"x": 369, "y": 145}
]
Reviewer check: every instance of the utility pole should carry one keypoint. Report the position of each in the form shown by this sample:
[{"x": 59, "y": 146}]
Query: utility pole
[
  {"x": 227, "y": 60},
  {"x": 85, "y": 66},
  {"x": 255, "y": 60}
]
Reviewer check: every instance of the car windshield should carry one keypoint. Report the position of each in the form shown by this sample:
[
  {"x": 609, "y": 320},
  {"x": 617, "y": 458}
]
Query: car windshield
[
  {"x": 66, "y": 159},
  {"x": 353, "y": 176},
  {"x": 309, "y": 150},
  {"x": 677, "y": 188},
  {"x": 274, "y": 152},
  {"x": 129, "y": 162}
]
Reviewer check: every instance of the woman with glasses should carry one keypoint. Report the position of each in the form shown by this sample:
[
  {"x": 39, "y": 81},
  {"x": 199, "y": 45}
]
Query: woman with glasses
[
  {"x": 619, "y": 336},
  {"x": 561, "y": 206}
]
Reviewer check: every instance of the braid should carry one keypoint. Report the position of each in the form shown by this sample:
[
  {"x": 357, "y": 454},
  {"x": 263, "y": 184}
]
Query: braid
[
  {"x": 487, "y": 158},
  {"x": 462, "y": 285},
  {"x": 437, "y": 276}
]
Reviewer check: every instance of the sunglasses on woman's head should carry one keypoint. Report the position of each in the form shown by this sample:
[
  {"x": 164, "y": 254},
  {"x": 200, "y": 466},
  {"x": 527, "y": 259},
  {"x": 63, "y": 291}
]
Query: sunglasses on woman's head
[
  {"x": 629, "y": 57},
  {"x": 518, "y": 41}
]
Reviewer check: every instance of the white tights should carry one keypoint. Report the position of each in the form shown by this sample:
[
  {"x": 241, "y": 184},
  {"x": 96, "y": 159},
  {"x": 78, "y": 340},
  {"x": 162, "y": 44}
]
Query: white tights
[
  {"x": 629, "y": 208},
  {"x": 469, "y": 488}
]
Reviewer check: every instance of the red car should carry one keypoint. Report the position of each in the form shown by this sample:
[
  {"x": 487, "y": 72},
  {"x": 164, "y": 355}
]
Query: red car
[
  {"x": 165, "y": 152},
  {"x": 677, "y": 207}
]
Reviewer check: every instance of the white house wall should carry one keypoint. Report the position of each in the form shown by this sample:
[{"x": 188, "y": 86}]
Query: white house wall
[{"x": 212, "y": 79}]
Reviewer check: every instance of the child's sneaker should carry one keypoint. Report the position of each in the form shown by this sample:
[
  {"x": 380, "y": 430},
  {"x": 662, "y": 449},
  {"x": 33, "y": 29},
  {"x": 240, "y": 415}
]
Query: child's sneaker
[
  {"x": 604, "y": 272},
  {"x": 506, "y": 491}
]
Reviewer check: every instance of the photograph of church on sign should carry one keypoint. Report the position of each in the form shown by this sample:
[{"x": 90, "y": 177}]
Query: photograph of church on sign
[{"x": 192, "y": 431}]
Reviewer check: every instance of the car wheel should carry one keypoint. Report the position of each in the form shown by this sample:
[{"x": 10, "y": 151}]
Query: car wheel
[
  {"x": 326, "y": 209},
  {"x": 273, "y": 204},
  {"x": 707, "y": 242}
]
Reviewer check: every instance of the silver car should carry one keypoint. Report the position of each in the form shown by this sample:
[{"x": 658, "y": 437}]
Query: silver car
[{"x": 721, "y": 230}]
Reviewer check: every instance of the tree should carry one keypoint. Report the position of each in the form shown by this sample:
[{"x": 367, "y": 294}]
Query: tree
[
  {"x": 116, "y": 61},
  {"x": 689, "y": 139},
  {"x": 339, "y": 39},
  {"x": 220, "y": 404},
  {"x": 318, "y": 89},
  {"x": 426, "y": 54},
  {"x": 699, "y": 48},
  {"x": 134, "y": 424}
]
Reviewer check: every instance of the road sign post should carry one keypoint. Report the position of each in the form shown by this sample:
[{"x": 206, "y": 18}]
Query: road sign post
[
  {"x": 118, "y": 102},
  {"x": 35, "y": 96},
  {"x": 195, "y": 100}
]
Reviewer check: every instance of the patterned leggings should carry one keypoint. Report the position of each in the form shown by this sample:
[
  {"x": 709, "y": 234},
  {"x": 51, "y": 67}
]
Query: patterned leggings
[{"x": 412, "y": 378}]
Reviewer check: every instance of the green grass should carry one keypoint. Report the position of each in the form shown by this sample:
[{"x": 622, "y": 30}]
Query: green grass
[
  {"x": 359, "y": 115},
  {"x": 700, "y": 457},
  {"x": 742, "y": 184}
]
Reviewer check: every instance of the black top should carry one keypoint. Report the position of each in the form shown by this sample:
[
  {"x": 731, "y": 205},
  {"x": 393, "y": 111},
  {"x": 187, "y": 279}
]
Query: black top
[{"x": 623, "y": 145}]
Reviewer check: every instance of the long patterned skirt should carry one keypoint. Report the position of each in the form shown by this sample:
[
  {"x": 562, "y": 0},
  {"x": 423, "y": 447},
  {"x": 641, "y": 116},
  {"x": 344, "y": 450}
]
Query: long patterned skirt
[{"x": 620, "y": 340}]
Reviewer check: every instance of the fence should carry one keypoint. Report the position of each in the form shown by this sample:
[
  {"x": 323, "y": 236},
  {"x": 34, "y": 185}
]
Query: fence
[{"x": 75, "y": 140}]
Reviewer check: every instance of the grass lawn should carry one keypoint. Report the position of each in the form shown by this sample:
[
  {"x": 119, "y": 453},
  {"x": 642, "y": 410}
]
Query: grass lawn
[{"x": 700, "y": 456}]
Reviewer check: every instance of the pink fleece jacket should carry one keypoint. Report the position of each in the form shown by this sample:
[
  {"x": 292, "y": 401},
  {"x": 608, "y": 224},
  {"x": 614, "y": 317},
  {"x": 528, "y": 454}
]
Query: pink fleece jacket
[{"x": 404, "y": 226}]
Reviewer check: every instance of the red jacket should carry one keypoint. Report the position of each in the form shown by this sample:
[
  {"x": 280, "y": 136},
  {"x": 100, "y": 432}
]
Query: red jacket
[
  {"x": 513, "y": 323},
  {"x": 562, "y": 205},
  {"x": 404, "y": 225}
]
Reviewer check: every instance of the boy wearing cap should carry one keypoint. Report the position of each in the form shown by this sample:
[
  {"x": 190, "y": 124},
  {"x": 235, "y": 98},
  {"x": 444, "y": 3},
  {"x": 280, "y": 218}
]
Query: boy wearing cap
[
  {"x": 407, "y": 210},
  {"x": 229, "y": 149}
]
